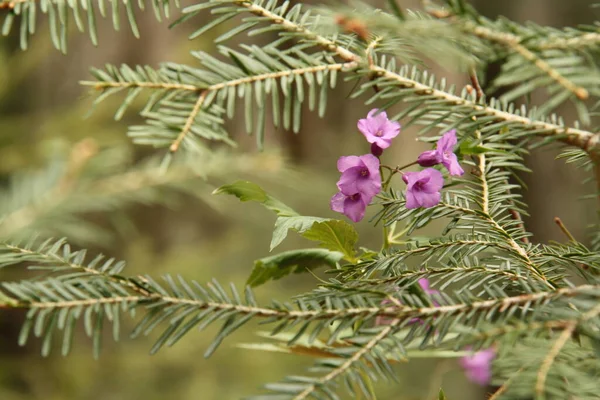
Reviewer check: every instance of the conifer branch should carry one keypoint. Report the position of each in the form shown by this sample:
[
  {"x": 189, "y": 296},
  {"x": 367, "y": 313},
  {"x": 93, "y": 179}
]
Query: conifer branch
[
  {"x": 557, "y": 347},
  {"x": 54, "y": 259},
  {"x": 348, "y": 363},
  {"x": 402, "y": 313},
  {"x": 189, "y": 122},
  {"x": 577, "y": 137},
  {"x": 590, "y": 39},
  {"x": 514, "y": 43},
  {"x": 518, "y": 249},
  {"x": 552, "y": 354}
]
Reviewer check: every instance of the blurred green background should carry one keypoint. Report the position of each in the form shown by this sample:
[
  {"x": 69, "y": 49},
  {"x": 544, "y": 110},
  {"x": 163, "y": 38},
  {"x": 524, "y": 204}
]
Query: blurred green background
[{"x": 42, "y": 109}]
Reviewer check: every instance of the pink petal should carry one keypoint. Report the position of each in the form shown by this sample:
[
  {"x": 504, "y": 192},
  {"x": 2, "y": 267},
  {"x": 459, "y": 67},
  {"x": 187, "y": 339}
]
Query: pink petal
[
  {"x": 371, "y": 162},
  {"x": 344, "y": 163},
  {"x": 429, "y": 158},
  {"x": 410, "y": 178},
  {"x": 380, "y": 141},
  {"x": 435, "y": 181},
  {"x": 480, "y": 376},
  {"x": 354, "y": 208},
  {"x": 411, "y": 201},
  {"x": 427, "y": 200},
  {"x": 349, "y": 179},
  {"x": 337, "y": 202},
  {"x": 368, "y": 188},
  {"x": 391, "y": 129},
  {"x": 372, "y": 112},
  {"x": 451, "y": 163},
  {"x": 364, "y": 127},
  {"x": 447, "y": 141}
]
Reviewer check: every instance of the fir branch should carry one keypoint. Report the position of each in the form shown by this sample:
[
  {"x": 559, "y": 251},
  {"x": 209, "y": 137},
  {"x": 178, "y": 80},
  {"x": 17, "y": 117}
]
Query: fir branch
[
  {"x": 576, "y": 137},
  {"x": 547, "y": 362},
  {"x": 189, "y": 122},
  {"x": 566, "y": 334},
  {"x": 57, "y": 257},
  {"x": 58, "y": 13},
  {"x": 306, "y": 313},
  {"x": 514, "y": 43},
  {"x": 335, "y": 373},
  {"x": 580, "y": 39},
  {"x": 520, "y": 251}
]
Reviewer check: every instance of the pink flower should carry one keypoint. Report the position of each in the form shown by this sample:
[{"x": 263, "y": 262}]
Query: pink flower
[
  {"x": 443, "y": 154},
  {"x": 423, "y": 188},
  {"x": 478, "y": 366},
  {"x": 352, "y": 206},
  {"x": 360, "y": 174},
  {"x": 359, "y": 183},
  {"x": 378, "y": 129}
]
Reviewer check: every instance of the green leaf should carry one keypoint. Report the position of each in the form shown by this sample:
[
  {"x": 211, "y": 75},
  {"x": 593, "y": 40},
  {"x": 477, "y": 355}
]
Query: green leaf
[
  {"x": 442, "y": 395},
  {"x": 468, "y": 147},
  {"x": 295, "y": 261},
  {"x": 248, "y": 191},
  {"x": 335, "y": 235},
  {"x": 298, "y": 223}
]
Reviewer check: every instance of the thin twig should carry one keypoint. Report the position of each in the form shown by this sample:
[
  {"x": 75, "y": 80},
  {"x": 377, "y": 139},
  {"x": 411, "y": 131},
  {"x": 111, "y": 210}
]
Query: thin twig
[
  {"x": 189, "y": 122},
  {"x": 475, "y": 82},
  {"x": 587, "y": 39},
  {"x": 516, "y": 215},
  {"x": 564, "y": 229},
  {"x": 549, "y": 360}
]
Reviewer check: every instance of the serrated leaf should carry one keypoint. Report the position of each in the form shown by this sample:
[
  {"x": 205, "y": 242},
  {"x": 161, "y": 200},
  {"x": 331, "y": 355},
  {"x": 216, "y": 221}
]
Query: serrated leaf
[
  {"x": 298, "y": 223},
  {"x": 248, "y": 191},
  {"x": 295, "y": 261},
  {"x": 335, "y": 235}
]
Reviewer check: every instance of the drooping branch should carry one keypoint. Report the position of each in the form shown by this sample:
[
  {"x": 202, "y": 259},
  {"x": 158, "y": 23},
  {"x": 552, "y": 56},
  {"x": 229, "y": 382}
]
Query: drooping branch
[{"x": 583, "y": 139}]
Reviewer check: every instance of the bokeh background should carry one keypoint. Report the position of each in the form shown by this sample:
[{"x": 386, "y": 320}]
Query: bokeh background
[{"x": 42, "y": 109}]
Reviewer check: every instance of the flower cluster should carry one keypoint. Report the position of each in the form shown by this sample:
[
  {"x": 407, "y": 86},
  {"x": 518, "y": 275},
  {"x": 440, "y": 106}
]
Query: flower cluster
[
  {"x": 361, "y": 178},
  {"x": 360, "y": 181}
]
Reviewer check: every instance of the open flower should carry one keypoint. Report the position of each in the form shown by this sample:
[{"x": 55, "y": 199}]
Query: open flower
[
  {"x": 360, "y": 174},
  {"x": 378, "y": 129},
  {"x": 443, "y": 154},
  {"x": 423, "y": 188},
  {"x": 352, "y": 206},
  {"x": 478, "y": 366}
]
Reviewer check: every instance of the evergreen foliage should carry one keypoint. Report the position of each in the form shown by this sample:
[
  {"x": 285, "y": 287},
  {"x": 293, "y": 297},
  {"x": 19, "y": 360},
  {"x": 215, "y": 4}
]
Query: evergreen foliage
[{"x": 535, "y": 304}]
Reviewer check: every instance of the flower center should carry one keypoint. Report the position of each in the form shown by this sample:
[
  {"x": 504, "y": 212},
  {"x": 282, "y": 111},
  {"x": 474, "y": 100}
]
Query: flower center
[
  {"x": 354, "y": 197},
  {"x": 379, "y": 133},
  {"x": 364, "y": 172},
  {"x": 447, "y": 154}
]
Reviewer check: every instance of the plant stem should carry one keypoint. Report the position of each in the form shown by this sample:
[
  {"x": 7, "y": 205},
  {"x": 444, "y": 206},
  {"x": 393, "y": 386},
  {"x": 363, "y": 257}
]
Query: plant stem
[{"x": 385, "y": 185}]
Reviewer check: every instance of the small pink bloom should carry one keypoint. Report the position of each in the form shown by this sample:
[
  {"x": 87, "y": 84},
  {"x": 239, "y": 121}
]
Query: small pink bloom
[
  {"x": 360, "y": 174},
  {"x": 378, "y": 129},
  {"x": 423, "y": 188},
  {"x": 478, "y": 366},
  {"x": 443, "y": 154},
  {"x": 353, "y": 206}
]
